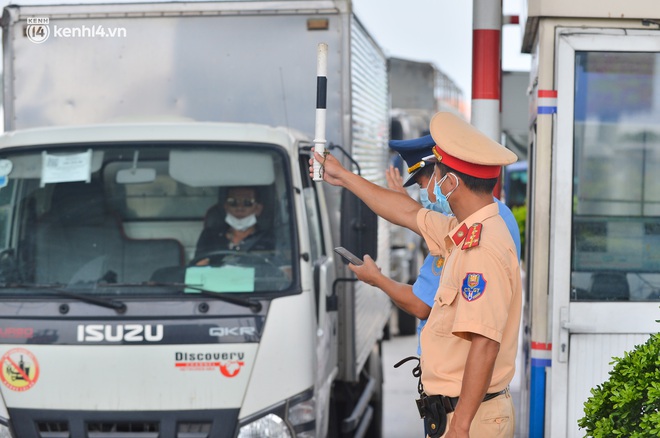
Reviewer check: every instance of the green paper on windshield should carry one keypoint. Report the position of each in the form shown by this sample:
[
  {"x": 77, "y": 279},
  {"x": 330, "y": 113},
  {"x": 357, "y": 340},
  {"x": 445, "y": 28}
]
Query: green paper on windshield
[{"x": 220, "y": 279}]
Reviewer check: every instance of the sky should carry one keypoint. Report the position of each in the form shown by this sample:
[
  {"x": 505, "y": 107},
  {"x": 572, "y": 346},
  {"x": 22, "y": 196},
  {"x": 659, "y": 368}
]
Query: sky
[{"x": 437, "y": 31}]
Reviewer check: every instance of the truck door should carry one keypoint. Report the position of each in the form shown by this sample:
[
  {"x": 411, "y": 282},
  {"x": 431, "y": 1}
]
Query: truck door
[
  {"x": 605, "y": 220},
  {"x": 323, "y": 274}
]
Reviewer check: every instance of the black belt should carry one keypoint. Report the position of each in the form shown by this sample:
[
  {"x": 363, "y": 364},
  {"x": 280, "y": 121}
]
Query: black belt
[{"x": 450, "y": 402}]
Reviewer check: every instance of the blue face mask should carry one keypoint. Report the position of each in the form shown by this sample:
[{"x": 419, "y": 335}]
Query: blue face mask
[
  {"x": 424, "y": 195},
  {"x": 441, "y": 201},
  {"x": 426, "y": 202}
]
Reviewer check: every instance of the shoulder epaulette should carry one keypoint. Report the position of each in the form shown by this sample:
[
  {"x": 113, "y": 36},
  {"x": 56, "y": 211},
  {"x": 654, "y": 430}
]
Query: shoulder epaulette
[
  {"x": 459, "y": 235},
  {"x": 473, "y": 236}
]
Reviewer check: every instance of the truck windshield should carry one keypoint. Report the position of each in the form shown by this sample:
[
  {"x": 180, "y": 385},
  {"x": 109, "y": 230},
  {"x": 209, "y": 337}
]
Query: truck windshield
[{"x": 212, "y": 216}]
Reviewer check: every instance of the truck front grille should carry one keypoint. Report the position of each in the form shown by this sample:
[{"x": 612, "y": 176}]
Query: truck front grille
[
  {"x": 193, "y": 430},
  {"x": 53, "y": 429},
  {"x": 39, "y": 423},
  {"x": 50, "y": 429},
  {"x": 138, "y": 429}
]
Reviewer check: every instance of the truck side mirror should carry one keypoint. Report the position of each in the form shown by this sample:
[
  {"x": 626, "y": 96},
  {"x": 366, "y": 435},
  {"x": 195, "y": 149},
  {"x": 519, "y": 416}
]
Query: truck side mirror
[{"x": 359, "y": 226}]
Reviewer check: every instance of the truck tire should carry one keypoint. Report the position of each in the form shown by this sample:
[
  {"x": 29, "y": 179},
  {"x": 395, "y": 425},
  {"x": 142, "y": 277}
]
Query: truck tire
[
  {"x": 345, "y": 397},
  {"x": 407, "y": 323},
  {"x": 375, "y": 367}
]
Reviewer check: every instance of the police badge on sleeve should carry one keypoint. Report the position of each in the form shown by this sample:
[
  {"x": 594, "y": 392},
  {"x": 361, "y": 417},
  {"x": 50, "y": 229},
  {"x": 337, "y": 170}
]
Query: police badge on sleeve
[{"x": 474, "y": 286}]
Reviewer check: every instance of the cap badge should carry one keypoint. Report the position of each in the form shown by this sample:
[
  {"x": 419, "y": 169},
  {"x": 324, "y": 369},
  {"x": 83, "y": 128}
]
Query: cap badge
[
  {"x": 473, "y": 236},
  {"x": 474, "y": 286}
]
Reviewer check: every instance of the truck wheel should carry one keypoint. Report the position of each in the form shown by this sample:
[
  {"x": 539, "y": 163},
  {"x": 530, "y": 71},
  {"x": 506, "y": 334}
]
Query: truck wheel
[
  {"x": 407, "y": 323},
  {"x": 375, "y": 367},
  {"x": 345, "y": 397}
]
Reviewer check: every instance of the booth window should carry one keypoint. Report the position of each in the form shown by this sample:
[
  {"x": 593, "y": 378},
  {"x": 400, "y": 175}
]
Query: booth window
[{"x": 616, "y": 195}]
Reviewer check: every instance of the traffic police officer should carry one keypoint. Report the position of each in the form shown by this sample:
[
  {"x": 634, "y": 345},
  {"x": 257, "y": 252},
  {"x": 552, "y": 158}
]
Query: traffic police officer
[
  {"x": 470, "y": 341},
  {"x": 471, "y": 337},
  {"x": 417, "y": 299}
]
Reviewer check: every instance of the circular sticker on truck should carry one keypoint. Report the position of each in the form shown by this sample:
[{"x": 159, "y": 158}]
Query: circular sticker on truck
[{"x": 20, "y": 369}]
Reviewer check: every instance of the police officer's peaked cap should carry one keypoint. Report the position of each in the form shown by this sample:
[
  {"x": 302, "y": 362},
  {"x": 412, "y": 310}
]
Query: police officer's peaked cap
[
  {"x": 416, "y": 153},
  {"x": 464, "y": 148}
]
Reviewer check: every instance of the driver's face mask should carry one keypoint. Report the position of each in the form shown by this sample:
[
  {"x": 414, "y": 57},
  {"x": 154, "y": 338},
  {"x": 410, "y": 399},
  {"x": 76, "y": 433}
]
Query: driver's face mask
[{"x": 241, "y": 224}]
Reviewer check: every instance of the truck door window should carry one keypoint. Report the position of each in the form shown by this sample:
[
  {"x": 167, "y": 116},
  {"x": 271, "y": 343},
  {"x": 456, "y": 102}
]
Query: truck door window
[
  {"x": 616, "y": 197},
  {"x": 314, "y": 224}
]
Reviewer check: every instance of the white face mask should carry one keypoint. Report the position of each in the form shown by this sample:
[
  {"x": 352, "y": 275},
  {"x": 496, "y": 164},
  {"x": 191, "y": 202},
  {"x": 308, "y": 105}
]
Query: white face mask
[{"x": 241, "y": 224}]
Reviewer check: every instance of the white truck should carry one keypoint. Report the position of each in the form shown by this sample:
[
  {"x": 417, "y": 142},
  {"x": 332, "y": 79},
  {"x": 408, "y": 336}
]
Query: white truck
[{"x": 126, "y": 126}]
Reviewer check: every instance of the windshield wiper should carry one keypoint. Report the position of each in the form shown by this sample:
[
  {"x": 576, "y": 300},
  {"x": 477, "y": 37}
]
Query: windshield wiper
[
  {"x": 58, "y": 289},
  {"x": 255, "y": 306},
  {"x": 120, "y": 307}
]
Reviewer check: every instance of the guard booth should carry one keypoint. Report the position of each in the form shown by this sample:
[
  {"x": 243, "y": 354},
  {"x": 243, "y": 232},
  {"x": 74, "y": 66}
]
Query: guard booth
[{"x": 593, "y": 233}]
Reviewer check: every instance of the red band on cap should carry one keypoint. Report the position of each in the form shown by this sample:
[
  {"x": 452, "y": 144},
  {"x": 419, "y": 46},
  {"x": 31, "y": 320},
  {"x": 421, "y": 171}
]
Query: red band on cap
[{"x": 477, "y": 170}]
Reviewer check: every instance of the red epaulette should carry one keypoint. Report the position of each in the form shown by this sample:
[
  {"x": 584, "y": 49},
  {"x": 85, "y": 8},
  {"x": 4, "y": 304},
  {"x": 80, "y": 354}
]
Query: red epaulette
[
  {"x": 459, "y": 235},
  {"x": 473, "y": 236}
]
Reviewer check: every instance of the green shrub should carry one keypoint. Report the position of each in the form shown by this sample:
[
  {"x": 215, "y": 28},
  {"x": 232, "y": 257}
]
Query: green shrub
[{"x": 628, "y": 403}]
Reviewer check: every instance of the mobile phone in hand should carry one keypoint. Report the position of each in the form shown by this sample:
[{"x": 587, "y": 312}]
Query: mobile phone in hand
[{"x": 346, "y": 254}]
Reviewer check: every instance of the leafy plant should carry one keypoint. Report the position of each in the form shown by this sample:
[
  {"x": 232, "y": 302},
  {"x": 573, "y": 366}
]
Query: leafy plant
[{"x": 628, "y": 403}]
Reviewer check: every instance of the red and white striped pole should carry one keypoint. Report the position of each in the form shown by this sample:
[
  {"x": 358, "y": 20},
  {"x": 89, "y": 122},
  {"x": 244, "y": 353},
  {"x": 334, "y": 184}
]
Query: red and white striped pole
[
  {"x": 486, "y": 66},
  {"x": 486, "y": 70}
]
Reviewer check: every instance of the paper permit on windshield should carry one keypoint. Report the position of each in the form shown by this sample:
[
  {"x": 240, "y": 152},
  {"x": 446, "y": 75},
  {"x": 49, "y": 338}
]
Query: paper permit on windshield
[
  {"x": 220, "y": 279},
  {"x": 66, "y": 168}
]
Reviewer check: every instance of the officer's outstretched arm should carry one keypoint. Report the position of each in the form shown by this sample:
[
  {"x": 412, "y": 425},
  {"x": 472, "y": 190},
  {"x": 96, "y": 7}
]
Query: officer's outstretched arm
[{"x": 393, "y": 206}]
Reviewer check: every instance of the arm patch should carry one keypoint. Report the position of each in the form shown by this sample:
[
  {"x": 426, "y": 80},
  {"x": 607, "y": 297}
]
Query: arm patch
[{"x": 474, "y": 286}]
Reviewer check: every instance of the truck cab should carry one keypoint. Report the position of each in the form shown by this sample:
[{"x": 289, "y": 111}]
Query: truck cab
[{"x": 112, "y": 319}]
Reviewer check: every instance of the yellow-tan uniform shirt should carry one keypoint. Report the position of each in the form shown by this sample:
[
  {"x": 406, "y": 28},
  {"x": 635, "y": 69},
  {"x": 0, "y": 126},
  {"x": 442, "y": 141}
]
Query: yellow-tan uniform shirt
[{"x": 480, "y": 292}]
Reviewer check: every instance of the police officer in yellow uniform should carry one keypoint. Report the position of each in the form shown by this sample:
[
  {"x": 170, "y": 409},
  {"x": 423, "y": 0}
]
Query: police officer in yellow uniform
[{"x": 470, "y": 341}]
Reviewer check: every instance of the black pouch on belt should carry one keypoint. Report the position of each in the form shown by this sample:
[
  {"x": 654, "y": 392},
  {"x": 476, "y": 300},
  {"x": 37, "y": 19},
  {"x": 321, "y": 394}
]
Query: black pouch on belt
[{"x": 432, "y": 410}]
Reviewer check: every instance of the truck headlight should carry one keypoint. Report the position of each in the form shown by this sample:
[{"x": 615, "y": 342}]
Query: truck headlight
[
  {"x": 294, "y": 418},
  {"x": 5, "y": 432},
  {"x": 268, "y": 425}
]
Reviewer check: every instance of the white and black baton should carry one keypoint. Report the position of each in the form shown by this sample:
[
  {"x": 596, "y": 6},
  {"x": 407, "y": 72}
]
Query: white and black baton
[{"x": 321, "y": 93}]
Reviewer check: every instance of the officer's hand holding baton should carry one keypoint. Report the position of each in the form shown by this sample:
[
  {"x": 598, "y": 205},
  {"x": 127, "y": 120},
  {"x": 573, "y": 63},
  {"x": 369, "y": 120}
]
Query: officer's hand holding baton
[
  {"x": 391, "y": 205},
  {"x": 332, "y": 168}
]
